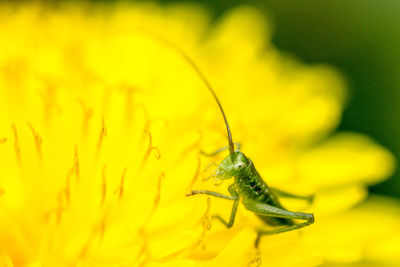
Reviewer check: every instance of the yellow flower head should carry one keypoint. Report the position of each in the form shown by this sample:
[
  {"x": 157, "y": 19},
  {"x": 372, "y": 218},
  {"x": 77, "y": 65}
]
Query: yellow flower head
[{"x": 101, "y": 125}]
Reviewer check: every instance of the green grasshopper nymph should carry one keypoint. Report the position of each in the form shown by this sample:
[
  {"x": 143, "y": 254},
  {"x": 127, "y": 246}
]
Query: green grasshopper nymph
[{"x": 247, "y": 185}]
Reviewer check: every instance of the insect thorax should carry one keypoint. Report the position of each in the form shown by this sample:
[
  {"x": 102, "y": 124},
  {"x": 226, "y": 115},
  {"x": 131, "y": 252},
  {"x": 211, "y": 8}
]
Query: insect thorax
[{"x": 250, "y": 185}]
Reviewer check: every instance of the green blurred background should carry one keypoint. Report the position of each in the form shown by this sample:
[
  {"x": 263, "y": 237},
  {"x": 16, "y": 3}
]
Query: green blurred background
[{"x": 361, "y": 38}]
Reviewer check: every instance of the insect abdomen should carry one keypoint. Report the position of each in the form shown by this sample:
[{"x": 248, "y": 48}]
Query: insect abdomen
[{"x": 251, "y": 187}]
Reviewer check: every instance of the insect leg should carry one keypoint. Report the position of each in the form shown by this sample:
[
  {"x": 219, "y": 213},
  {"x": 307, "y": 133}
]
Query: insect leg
[
  {"x": 216, "y": 152},
  {"x": 231, "y": 219},
  {"x": 234, "y": 196},
  {"x": 272, "y": 211},
  {"x": 261, "y": 233},
  {"x": 309, "y": 198},
  {"x": 233, "y": 193},
  {"x": 211, "y": 193}
]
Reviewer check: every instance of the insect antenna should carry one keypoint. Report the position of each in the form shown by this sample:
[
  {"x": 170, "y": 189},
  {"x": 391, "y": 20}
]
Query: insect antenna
[{"x": 200, "y": 73}]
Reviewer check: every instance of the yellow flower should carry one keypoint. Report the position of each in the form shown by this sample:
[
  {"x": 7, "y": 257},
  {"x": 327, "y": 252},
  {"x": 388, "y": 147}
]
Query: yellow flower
[{"x": 101, "y": 127}]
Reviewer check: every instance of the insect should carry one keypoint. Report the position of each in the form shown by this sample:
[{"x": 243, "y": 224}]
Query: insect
[{"x": 248, "y": 185}]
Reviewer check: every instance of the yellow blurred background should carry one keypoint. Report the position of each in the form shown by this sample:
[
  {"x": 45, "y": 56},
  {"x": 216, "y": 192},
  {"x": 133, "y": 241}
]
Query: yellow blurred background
[{"x": 101, "y": 127}]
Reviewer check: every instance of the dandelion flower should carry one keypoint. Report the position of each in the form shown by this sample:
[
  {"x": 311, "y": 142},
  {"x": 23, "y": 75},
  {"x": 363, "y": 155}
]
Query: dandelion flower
[{"x": 101, "y": 127}]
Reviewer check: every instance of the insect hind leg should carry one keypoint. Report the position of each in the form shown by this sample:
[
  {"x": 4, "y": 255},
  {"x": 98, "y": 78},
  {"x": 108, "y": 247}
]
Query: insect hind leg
[
  {"x": 216, "y": 152},
  {"x": 261, "y": 233},
  {"x": 272, "y": 211}
]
